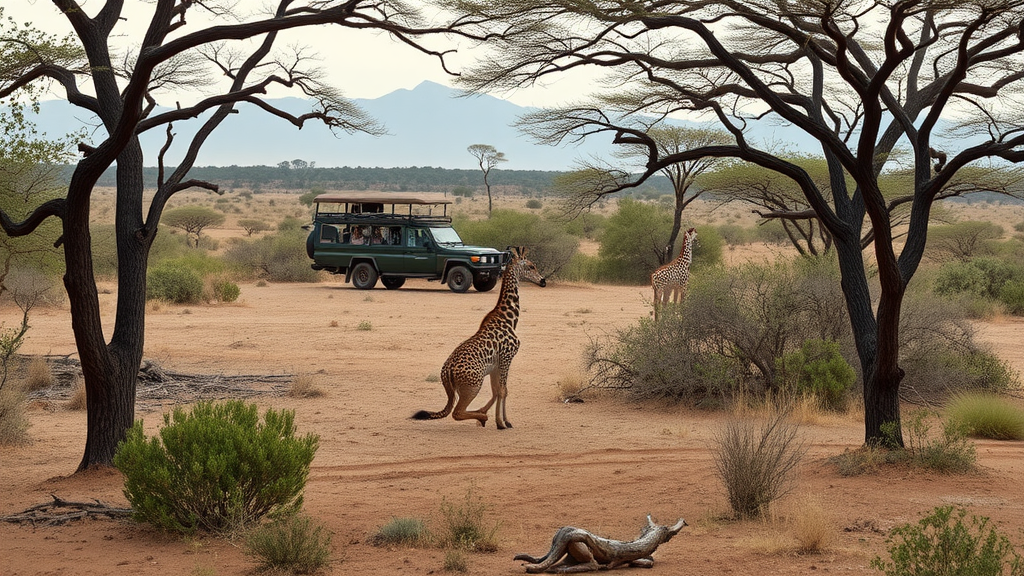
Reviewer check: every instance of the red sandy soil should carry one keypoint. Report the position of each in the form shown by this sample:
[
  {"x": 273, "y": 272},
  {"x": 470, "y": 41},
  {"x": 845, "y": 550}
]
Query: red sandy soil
[{"x": 601, "y": 465}]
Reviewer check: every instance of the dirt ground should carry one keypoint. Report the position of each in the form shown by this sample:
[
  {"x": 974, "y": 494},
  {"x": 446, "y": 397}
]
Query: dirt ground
[{"x": 601, "y": 465}]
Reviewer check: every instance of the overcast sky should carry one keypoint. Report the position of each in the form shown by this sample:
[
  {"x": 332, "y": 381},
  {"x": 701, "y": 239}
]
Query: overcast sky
[{"x": 362, "y": 64}]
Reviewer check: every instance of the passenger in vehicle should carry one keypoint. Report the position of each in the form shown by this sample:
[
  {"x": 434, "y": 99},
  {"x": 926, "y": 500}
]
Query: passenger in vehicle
[
  {"x": 357, "y": 235},
  {"x": 378, "y": 236},
  {"x": 396, "y": 235}
]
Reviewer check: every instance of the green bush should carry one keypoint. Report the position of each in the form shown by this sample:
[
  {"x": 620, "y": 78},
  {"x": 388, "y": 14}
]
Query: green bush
[
  {"x": 960, "y": 277},
  {"x": 1012, "y": 296},
  {"x": 987, "y": 416},
  {"x": 279, "y": 257},
  {"x": 174, "y": 283},
  {"x": 950, "y": 452},
  {"x": 943, "y": 544},
  {"x": 464, "y": 525},
  {"x": 225, "y": 291},
  {"x": 294, "y": 543},
  {"x": 215, "y": 468},
  {"x": 818, "y": 369},
  {"x": 534, "y": 204},
  {"x": 550, "y": 246}
]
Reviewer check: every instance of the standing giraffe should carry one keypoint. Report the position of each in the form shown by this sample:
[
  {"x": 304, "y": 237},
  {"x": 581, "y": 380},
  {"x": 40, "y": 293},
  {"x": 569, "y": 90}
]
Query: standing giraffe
[
  {"x": 489, "y": 351},
  {"x": 670, "y": 280}
]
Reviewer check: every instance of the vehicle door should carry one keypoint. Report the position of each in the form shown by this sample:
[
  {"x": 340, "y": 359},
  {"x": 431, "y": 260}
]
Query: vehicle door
[
  {"x": 387, "y": 252},
  {"x": 419, "y": 251}
]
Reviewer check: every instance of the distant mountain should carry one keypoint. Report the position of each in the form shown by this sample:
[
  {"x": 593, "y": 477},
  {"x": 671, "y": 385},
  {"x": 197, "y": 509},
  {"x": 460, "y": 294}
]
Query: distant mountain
[{"x": 428, "y": 126}]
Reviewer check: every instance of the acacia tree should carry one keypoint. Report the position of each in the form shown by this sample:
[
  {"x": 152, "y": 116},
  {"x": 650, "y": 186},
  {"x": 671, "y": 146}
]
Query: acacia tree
[
  {"x": 122, "y": 90},
  {"x": 487, "y": 158},
  {"x": 593, "y": 182},
  {"x": 193, "y": 220},
  {"x": 857, "y": 76}
]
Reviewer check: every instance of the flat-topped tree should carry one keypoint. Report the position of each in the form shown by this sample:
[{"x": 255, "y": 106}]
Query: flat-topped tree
[
  {"x": 855, "y": 76},
  {"x": 234, "y": 61}
]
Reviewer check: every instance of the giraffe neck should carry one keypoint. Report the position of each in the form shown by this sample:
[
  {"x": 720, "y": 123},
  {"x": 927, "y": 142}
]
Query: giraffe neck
[
  {"x": 686, "y": 254},
  {"x": 507, "y": 308}
]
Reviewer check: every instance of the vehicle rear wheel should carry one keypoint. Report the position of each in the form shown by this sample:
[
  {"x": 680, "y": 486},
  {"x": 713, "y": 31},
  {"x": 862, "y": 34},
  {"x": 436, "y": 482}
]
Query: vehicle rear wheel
[
  {"x": 392, "y": 282},
  {"x": 485, "y": 284},
  {"x": 459, "y": 279},
  {"x": 364, "y": 276}
]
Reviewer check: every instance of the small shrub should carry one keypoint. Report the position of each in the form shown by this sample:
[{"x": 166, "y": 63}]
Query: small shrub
[
  {"x": 77, "y": 399},
  {"x": 987, "y": 416},
  {"x": 400, "y": 531},
  {"x": 305, "y": 386},
  {"x": 1012, "y": 296},
  {"x": 534, "y": 204},
  {"x": 39, "y": 375},
  {"x": 455, "y": 561},
  {"x": 813, "y": 528},
  {"x": 294, "y": 543},
  {"x": 175, "y": 284},
  {"x": 950, "y": 452},
  {"x": 756, "y": 465},
  {"x": 225, "y": 291},
  {"x": 819, "y": 369},
  {"x": 215, "y": 468},
  {"x": 13, "y": 423},
  {"x": 365, "y": 326},
  {"x": 463, "y": 525},
  {"x": 943, "y": 544}
]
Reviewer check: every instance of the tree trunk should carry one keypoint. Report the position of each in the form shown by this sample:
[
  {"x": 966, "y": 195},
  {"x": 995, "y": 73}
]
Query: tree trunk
[{"x": 110, "y": 370}]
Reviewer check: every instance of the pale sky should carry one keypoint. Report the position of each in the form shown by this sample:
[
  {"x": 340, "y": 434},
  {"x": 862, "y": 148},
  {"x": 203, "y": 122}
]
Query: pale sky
[{"x": 362, "y": 64}]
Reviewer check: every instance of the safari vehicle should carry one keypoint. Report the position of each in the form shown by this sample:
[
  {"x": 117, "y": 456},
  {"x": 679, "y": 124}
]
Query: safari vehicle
[{"x": 394, "y": 237}]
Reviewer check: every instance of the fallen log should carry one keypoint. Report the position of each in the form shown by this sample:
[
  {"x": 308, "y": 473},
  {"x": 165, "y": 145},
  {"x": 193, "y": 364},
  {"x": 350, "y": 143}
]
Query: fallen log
[
  {"x": 61, "y": 511},
  {"x": 576, "y": 550}
]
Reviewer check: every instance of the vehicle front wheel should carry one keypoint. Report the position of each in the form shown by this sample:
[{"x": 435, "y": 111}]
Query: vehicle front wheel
[
  {"x": 392, "y": 282},
  {"x": 484, "y": 284},
  {"x": 364, "y": 276},
  {"x": 459, "y": 279}
]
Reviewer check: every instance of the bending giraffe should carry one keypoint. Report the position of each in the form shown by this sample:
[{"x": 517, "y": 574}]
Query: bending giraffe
[
  {"x": 488, "y": 352},
  {"x": 669, "y": 281}
]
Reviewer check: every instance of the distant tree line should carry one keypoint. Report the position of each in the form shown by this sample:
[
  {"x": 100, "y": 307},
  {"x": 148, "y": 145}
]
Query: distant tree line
[{"x": 299, "y": 175}]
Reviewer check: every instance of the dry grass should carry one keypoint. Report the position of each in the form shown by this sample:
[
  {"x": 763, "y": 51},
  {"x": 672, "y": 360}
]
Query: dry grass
[
  {"x": 570, "y": 386},
  {"x": 306, "y": 386},
  {"x": 13, "y": 423},
  {"x": 38, "y": 375},
  {"x": 811, "y": 525},
  {"x": 76, "y": 401}
]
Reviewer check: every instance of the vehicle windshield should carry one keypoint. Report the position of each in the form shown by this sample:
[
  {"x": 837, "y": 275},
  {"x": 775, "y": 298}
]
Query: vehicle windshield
[{"x": 445, "y": 236}]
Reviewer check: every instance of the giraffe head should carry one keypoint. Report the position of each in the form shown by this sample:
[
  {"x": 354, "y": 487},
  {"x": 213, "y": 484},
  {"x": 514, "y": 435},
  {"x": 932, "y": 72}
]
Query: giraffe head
[{"x": 524, "y": 269}]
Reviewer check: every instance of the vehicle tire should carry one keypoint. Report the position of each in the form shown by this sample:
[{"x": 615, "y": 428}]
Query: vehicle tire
[
  {"x": 309, "y": 245},
  {"x": 364, "y": 276},
  {"x": 485, "y": 285},
  {"x": 460, "y": 279},
  {"x": 392, "y": 282}
]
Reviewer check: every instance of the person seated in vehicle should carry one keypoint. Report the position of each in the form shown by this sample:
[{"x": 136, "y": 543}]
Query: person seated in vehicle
[
  {"x": 357, "y": 235},
  {"x": 396, "y": 235},
  {"x": 378, "y": 236}
]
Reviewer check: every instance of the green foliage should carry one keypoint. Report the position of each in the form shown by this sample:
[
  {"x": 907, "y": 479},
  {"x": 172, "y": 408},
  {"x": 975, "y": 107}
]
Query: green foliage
[
  {"x": 962, "y": 241},
  {"x": 174, "y": 283},
  {"x": 462, "y": 192},
  {"x": 734, "y": 234},
  {"x": 632, "y": 240},
  {"x": 464, "y": 525},
  {"x": 728, "y": 333},
  {"x": 225, "y": 290},
  {"x": 307, "y": 198},
  {"x": 290, "y": 224},
  {"x": 550, "y": 247},
  {"x": 253, "y": 226},
  {"x": 216, "y": 468},
  {"x": 293, "y": 543},
  {"x": 818, "y": 369},
  {"x": 277, "y": 257},
  {"x": 455, "y": 561},
  {"x": 1012, "y": 296},
  {"x": 943, "y": 544},
  {"x": 534, "y": 204},
  {"x": 980, "y": 276},
  {"x": 756, "y": 464},
  {"x": 950, "y": 452},
  {"x": 987, "y": 416},
  {"x": 401, "y": 532},
  {"x": 193, "y": 220}
]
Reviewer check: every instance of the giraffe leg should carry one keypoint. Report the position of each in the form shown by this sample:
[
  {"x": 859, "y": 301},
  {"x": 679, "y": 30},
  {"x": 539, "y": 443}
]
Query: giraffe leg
[
  {"x": 467, "y": 392},
  {"x": 500, "y": 416}
]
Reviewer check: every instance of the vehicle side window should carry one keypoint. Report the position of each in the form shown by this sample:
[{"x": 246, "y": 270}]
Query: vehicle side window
[{"x": 329, "y": 234}]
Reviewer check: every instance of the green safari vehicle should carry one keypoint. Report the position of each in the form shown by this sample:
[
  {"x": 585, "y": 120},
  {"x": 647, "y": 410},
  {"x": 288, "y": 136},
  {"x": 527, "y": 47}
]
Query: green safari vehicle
[{"x": 392, "y": 237}]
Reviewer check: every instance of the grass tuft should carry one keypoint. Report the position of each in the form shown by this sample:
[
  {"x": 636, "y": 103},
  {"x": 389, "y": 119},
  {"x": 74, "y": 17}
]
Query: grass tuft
[
  {"x": 306, "y": 386},
  {"x": 400, "y": 531},
  {"x": 464, "y": 526},
  {"x": 13, "y": 423},
  {"x": 295, "y": 543},
  {"x": 987, "y": 416}
]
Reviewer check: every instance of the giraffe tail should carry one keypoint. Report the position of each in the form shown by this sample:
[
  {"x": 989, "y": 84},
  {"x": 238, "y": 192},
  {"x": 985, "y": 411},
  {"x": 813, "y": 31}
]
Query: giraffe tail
[{"x": 428, "y": 415}]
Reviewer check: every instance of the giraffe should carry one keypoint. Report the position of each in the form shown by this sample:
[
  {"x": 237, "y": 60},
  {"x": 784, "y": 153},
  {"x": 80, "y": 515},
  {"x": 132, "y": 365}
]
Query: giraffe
[
  {"x": 670, "y": 280},
  {"x": 488, "y": 352}
]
